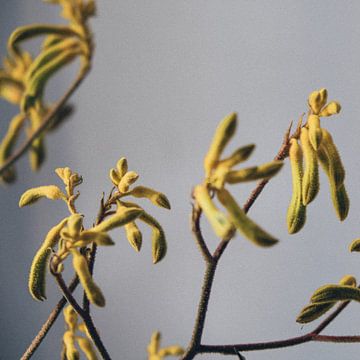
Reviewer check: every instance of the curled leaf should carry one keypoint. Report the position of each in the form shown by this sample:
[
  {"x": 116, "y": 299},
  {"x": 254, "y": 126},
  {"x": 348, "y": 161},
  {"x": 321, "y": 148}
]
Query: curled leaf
[
  {"x": 51, "y": 192},
  {"x": 156, "y": 197},
  {"x": 296, "y": 214},
  {"x": 265, "y": 171},
  {"x": 243, "y": 223},
  {"x": 37, "y": 277},
  {"x": 221, "y": 225},
  {"x": 310, "y": 180},
  {"x": 92, "y": 291},
  {"x": 223, "y": 134}
]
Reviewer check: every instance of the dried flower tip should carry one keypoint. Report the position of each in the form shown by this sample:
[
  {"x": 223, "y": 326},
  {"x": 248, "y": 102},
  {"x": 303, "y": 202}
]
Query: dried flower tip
[
  {"x": 114, "y": 177},
  {"x": 128, "y": 179},
  {"x": 156, "y": 197},
  {"x": 122, "y": 167},
  {"x": 317, "y": 99},
  {"x": 348, "y": 280},
  {"x": 310, "y": 181},
  {"x": 87, "y": 348},
  {"x": 122, "y": 216},
  {"x": 296, "y": 214},
  {"x": 134, "y": 236},
  {"x": 315, "y": 134},
  {"x": 69, "y": 342},
  {"x": 92, "y": 291},
  {"x": 221, "y": 225},
  {"x": 223, "y": 134},
  {"x": 243, "y": 223},
  {"x": 39, "y": 266},
  {"x": 331, "y": 108},
  {"x": 51, "y": 192},
  {"x": 355, "y": 245},
  {"x": 265, "y": 171},
  {"x": 238, "y": 156}
]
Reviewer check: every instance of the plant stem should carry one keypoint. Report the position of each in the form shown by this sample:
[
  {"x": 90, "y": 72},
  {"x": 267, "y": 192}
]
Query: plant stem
[
  {"x": 46, "y": 122},
  {"x": 84, "y": 315},
  {"x": 49, "y": 322}
]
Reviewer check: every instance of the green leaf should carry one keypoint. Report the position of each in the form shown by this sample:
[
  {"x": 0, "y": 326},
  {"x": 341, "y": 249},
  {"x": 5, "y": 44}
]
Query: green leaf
[{"x": 336, "y": 293}]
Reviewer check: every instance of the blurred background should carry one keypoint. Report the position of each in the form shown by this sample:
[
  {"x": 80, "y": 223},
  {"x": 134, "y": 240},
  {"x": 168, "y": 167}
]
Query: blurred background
[{"x": 165, "y": 73}]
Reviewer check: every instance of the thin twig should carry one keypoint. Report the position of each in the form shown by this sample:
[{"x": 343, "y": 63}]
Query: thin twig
[
  {"x": 311, "y": 336},
  {"x": 46, "y": 122},
  {"x": 195, "y": 223},
  {"x": 84, "y": 315},
  {"x": 48, "y": 323}
]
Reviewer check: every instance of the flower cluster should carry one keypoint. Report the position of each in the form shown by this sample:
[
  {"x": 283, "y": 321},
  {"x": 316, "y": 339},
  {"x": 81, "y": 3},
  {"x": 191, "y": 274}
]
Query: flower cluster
[
  {"x": 69, "y": 237},
  {"x": 70, "y": 338},
  {"x": 157, "y": 353},
  {"x": 23, "y": 77},
  {"x": 220, "y": 172},
  {"x": 315, "y": 146}
]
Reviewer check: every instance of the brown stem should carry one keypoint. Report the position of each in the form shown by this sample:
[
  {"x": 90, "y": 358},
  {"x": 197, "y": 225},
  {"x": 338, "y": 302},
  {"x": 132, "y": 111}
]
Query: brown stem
[
  {"x": 311, "y": 336},
  {"x": 46, "y": 122},
  {"x": 84, "y": 315},
  {"x": 49, "y": 322}
]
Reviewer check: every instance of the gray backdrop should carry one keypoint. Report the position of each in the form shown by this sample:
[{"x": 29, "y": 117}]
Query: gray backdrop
[{"x": 165, "y": 73}]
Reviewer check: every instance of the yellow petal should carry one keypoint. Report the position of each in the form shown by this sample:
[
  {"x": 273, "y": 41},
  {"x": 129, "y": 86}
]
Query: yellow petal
[
  {"x": 331, "y": 108},
  {"x": 156, "y": 197},
  {"x": 315, "y": 134}
]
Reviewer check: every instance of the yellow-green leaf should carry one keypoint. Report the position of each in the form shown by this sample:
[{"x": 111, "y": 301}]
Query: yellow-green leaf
[
  {"x": 315, "y": 134},
  {"x": 87, "y": 348},
  {"x": 238, "y": 156},
  {"x": 134, "y": 236},
  {"x": 312, "y": 312}
]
